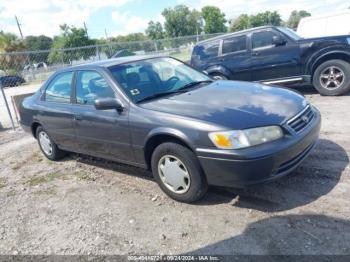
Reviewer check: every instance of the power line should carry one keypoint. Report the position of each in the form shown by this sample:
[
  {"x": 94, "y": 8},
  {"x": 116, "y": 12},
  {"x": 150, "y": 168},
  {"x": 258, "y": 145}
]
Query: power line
[{"x": 19, "y": 27}]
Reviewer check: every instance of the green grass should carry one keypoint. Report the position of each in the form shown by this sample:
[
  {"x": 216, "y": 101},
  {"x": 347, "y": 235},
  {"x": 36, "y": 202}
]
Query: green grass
[
  {"x": 184, "y": 55},
  {"x": 11, "y": 193},
  {"x": 45, "y": 192},
  {"x": 83, "y": 176},
  {"x": 2, "y": 182},
  {"x": 34, "y": 181}
]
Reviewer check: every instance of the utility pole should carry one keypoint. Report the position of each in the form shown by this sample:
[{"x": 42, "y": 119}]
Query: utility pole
[
  {"x": 19, "y": 27},
  {"x": 106, "y": 33},
  {"x": 86, "y": 32}
]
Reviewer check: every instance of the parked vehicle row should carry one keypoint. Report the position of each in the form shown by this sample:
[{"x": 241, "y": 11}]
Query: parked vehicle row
[
  {"x": 11, "y": 80},
  {"x": 277, "y": 55},
  {"x": 161, "y": 114}
]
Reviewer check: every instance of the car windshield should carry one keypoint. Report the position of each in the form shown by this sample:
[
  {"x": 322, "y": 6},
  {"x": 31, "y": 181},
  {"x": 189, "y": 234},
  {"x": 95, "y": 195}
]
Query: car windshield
[
  {"x": 156, "y": 77},
  {"x": 289, "y": 32}
]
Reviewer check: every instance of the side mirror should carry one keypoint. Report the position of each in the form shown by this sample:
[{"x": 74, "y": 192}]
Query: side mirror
[
  {"x": 108, "y": 103},
  {"x": 277, "y": 40}
]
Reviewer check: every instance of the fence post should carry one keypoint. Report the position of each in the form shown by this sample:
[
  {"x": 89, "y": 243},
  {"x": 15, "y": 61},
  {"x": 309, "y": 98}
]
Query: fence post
[
  {"x": 7, "y": 105},
  {"x": 98, "y": 52}
]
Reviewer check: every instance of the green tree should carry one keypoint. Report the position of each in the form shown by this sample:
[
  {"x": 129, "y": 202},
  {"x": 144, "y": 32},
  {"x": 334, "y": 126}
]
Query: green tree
[
  {"x": 11, "y": 63},
  {"x": 40, "y": 42},
  {"x": 214, "y": 20},
  {"x": 155, "y": 30},
  {"x": 181, "y": 21},
  {"x": 10, "y": 43},
  {"x": 266, "y": 18},
  {"x": 240, "y": 23},
  {"x": 35, "y": 43},
  {"x": 70, "y": 37},
  {"x": 295, "y": 17}
]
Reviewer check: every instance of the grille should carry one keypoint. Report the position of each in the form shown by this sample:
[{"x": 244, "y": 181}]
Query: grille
[{"x": 300, "y": 121}]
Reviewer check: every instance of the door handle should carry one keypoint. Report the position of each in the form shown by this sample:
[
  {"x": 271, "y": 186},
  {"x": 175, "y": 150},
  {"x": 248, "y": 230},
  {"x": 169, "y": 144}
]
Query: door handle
[
  {"x": 77, "y": 117},
  {"x": 255, "y": 53}
]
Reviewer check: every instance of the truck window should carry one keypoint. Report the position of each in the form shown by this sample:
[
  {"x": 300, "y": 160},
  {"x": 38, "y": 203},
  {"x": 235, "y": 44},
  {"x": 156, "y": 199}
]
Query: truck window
[
  {"x": 262, "y": 39},
  {"x": 206, "y": 50},
  {"x": 234, "y": 44}
]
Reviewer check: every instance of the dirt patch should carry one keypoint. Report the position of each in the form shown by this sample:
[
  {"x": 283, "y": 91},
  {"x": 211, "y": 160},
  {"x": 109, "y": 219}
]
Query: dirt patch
[{"x": 83, "y": 205}]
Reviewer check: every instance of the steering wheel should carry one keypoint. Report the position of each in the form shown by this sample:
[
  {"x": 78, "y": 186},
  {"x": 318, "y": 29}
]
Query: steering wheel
[{"x": 171, "y": 82}]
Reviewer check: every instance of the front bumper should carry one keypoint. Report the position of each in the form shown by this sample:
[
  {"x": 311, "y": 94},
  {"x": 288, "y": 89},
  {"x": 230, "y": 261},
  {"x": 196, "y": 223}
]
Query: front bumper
[{"x": 244, "y": 167}]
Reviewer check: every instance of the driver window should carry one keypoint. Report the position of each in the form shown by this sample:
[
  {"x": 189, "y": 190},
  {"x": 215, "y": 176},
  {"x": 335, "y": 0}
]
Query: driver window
[
  {"x": 262, "y": 39},
  {"x": 90, "y": 86}
]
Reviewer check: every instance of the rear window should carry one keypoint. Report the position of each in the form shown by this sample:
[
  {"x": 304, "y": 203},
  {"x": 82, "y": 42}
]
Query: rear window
[
  {"x": 234, "y": 44},
  {"x": 206, "y": 50}
]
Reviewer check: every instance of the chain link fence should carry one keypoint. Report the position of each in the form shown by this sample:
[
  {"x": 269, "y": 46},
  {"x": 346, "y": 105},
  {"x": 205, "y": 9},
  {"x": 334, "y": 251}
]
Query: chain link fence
[
  {"x": 27, "y": 70},
  {"x": 19, "y": 68}
]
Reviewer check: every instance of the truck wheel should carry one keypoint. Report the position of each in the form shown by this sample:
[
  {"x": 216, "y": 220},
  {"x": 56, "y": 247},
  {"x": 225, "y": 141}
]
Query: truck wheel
[
  {"x": 47, "y": 146},
  {"x": 218, "y": 76},
  {"x": 332, "y": 78},
  {"x": 178, "y": 172}
]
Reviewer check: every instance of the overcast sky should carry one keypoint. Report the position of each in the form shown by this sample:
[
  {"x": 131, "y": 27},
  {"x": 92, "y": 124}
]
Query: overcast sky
[{"x": 129, "y": 16}]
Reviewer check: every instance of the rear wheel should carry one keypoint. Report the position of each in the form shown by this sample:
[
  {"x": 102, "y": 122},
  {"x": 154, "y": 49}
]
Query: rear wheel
[
  {"x": 178, "y": 172},
  {"x": 47, "y": 146},
  {"x": 332, "y": 78}
]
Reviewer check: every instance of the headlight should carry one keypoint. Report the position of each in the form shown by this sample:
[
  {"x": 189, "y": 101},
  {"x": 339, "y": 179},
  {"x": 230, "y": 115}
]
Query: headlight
[{"x": 244, "y": 138}]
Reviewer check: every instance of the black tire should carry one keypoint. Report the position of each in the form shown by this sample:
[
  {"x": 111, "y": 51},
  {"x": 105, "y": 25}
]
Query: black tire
[
  {"x": 56, "y": 153},
  {"x": 198, "y": 185},
  {"x": 218, "y": 76},
  {"x": 319, "y": 83}
]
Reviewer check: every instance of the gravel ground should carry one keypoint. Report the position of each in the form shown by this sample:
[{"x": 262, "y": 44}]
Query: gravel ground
[{"x": 83, "y": 205}]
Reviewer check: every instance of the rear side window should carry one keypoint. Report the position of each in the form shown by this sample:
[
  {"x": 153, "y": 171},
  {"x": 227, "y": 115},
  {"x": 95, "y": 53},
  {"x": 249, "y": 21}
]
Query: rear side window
[
  {"x": 234, "y": 44},
  {"x": 59, "y": 89},
  {"x": 90, "y": 85},
  {"x": 206, "y": 50},
  {"x": 262, "y": 39}
]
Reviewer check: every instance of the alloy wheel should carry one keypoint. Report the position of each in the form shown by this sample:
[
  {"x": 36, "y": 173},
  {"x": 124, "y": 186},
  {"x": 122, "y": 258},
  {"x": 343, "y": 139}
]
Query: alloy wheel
[{"x": 332, "y": 77}]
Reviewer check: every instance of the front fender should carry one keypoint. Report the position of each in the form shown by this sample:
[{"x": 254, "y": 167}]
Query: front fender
[
  {"x": 323, "y": 56},
  {"x": 168, "y": 131}
]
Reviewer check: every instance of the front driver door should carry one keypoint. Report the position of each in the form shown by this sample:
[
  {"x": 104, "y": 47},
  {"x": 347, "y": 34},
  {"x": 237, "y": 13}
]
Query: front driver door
[
  {"x": 269, "y": 61},
  {"x": 102, "y": 133}
]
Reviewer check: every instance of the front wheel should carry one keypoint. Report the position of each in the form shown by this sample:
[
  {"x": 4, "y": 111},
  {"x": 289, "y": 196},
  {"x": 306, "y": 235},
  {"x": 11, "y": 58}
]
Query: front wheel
[
  {"x": 332, "y": 78},
  {"x": 178, "y": 172}
]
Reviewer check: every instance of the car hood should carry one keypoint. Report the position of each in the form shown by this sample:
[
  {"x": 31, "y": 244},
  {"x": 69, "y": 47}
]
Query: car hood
[{"x": 233, "y": 104}]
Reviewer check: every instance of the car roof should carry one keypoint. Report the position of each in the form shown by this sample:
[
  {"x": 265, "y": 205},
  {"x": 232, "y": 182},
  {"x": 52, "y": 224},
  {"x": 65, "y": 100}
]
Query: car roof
[
  {"x": 246, "y": 31},
  {"x": 110, "y": 62}
]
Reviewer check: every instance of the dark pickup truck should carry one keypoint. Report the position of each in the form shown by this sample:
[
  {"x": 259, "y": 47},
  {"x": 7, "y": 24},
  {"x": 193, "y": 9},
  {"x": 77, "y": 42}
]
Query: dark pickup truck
[{"x": 277, "y": 55}]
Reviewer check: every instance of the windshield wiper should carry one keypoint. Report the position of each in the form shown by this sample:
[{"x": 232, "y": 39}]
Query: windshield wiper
[
  {"x": 180, "y": 90},
  {"x": 157, "y": 95},
  {"x": 191, "y": 84}
]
